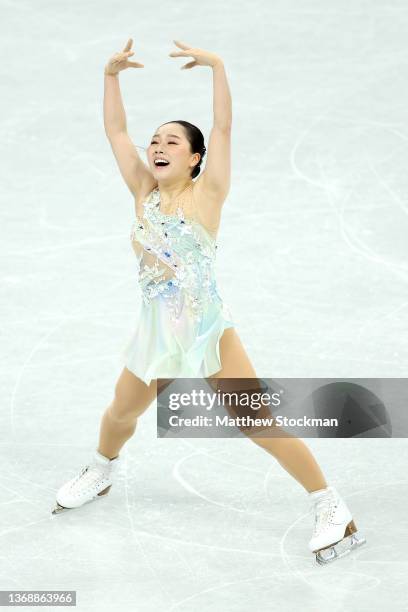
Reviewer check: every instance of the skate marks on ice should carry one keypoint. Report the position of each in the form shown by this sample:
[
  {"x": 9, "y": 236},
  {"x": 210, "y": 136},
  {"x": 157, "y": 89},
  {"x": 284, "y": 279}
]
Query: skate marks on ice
[
  {"x": 332, "y": 189},
  {"x": 270, "y": 581},
  {"x": 371, "y": 555},
  {"x": 338, "y": 195}
]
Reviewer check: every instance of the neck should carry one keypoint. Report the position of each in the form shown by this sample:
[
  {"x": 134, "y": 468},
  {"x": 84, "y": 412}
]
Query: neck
[{"x": 169, "y": 190}]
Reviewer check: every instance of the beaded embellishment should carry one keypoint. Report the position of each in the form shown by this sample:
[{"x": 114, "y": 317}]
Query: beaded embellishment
[{"x": 176, "y": 259}]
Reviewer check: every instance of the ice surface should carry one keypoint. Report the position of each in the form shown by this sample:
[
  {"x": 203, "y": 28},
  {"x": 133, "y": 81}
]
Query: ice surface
[{"x": 315, "y": 222}]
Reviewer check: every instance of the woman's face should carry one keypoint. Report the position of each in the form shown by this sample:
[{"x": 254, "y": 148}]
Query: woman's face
[{"x": 169, "y": 142}]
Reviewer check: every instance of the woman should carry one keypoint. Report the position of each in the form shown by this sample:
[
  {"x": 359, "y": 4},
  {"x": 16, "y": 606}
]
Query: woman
[{"x": 185, "y": 329}]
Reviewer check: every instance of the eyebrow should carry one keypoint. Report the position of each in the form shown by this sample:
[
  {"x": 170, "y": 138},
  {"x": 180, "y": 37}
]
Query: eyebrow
[{"x": 172, "y": 135}]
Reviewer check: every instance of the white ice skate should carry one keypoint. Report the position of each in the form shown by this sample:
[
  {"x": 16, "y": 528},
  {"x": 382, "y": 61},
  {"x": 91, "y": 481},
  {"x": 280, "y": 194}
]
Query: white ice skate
[
  {"x": 93, "y": 482},
  {"x": 335, "y": 533}
]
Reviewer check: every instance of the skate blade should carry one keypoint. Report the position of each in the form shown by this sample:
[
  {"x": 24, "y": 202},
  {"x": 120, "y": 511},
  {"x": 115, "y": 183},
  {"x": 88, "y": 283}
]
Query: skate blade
[
  {"x": 61, "y": 509},
  {"x": 340, "y": 549}
]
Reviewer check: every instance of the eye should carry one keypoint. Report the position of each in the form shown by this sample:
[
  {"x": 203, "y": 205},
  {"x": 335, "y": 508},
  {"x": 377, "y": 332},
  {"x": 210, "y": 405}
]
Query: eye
[{"x": 170, "y": 142}]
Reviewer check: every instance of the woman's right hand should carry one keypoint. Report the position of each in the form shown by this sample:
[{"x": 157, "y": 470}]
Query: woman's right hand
[{"x": 120, "y": 61}]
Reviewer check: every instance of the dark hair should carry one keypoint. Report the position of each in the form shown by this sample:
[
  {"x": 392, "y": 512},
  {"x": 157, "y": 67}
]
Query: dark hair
[{"x": 196, "y": 140}]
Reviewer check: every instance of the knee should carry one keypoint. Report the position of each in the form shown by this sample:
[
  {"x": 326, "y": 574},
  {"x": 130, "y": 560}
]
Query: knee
[{"x": 122, "y": 413}]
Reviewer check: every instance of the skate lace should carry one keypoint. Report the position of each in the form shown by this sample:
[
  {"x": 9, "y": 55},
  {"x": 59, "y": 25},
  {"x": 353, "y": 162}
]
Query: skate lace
[
  {"x": 325, "y": 509},
  {"x": 89, "y": 475}
]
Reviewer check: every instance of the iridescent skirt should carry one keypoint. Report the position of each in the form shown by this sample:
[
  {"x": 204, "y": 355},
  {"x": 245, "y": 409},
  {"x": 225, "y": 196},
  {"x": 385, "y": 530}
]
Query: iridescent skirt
[{"x": 162, "y": 347}]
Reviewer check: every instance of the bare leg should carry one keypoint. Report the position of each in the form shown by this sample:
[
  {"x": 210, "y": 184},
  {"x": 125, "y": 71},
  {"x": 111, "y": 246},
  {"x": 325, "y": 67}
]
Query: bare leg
[
  {"x": 132, "y": 397},
  {"x": 292, "y": 453}
]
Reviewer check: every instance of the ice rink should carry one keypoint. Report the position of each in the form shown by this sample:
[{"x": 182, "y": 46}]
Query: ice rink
[{"x": 312, "y": 261}]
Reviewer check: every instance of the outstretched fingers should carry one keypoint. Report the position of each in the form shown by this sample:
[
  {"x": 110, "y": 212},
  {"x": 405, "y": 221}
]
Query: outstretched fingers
[
  {"x": 179, "y": 53},
  {"x": 189, "y": 65},
  {"x": 128, "y": 45},
  {"x": 135, "y": 65},
  {"x": 181, "y": 45}
]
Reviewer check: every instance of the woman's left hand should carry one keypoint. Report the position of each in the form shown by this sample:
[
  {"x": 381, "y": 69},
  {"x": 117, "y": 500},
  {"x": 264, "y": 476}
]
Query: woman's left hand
[{"x": 201, "y": 57}]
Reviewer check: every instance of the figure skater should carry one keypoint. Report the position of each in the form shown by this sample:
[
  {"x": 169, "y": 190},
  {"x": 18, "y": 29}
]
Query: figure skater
[{"x": 185, "y": 329}]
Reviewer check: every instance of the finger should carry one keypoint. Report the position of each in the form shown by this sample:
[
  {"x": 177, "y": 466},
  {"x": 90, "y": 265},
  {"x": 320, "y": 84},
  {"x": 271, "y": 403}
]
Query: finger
[
  {"x": 122, "y": 57},
  {"x": 128, "y": 45},
  {"x": 189, "y": 65},
  {"x": 181, "y": 45},
  {"x": 178, "y": 53},
  {"x": 135, "y": 65}
]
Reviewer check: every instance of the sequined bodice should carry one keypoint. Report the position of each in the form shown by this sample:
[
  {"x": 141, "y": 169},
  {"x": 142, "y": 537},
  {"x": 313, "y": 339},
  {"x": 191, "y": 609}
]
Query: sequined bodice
[{"x": 176, "y": 258}]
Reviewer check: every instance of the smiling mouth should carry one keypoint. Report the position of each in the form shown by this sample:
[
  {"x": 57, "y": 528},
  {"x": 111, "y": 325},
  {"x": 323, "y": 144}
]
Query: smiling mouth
[{"x": 161, "y": 164}]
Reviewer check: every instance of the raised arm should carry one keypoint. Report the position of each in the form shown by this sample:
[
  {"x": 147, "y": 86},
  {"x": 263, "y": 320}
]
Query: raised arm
[
  {"x": 216, "y": 177},
  {"x": 134, "y": 171},
  {"x": 217, "y": 173}
]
